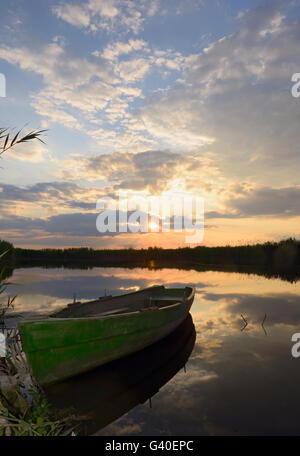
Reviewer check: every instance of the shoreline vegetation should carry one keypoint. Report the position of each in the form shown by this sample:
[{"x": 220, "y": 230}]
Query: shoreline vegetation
[
  {"x": 270, "y": 259},
  {"x": 24, "y": 408}
]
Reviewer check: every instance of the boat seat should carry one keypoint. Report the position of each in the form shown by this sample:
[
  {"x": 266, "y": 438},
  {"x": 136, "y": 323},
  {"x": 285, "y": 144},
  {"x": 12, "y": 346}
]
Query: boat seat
[
  {"x": 168, "y": 298},
  {"x": 111, "y": 312}
]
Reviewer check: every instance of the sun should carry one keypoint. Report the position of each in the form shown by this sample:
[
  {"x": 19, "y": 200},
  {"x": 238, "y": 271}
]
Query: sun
[{"x": 153, "y": 226}]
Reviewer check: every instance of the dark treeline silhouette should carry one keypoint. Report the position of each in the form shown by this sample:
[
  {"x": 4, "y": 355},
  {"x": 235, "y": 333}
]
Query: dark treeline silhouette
[{"x": 271, "y": 259}]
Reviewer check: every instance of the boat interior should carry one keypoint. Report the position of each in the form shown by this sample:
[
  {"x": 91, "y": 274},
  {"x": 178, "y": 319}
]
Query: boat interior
[{"x": 150, "y": 298}]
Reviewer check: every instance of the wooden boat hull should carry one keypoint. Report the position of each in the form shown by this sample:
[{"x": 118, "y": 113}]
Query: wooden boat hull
[
  {"x": 111, "y": 390},
  {"x": 60, "y": 348}
]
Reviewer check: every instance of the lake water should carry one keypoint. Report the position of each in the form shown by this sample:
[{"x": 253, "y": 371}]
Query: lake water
[{"x": 211, "y": 380}]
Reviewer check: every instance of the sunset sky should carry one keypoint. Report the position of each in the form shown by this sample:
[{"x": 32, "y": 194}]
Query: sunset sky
[{"x": 153, "y": 98}]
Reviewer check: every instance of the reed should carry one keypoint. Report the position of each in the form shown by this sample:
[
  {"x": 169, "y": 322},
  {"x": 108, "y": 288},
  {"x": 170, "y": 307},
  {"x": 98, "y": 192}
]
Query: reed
[
  {"x": 9, "y": 139},
  {"x": 24, "y": 409}
]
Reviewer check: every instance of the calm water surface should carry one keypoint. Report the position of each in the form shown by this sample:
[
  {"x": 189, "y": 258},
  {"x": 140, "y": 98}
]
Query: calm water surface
[{"x": 211, "y": 380}]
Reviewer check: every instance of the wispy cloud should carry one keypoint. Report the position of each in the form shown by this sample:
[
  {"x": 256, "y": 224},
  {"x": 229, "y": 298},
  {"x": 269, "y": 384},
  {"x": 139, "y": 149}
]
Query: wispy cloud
[
  {"x": 114, "y": 50},
  {"x": 235, "y": 98},
  {"x": 108, "y": 15}
]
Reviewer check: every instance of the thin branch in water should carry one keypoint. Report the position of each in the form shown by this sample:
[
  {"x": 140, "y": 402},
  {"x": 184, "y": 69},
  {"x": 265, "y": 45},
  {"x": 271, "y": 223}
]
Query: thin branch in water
[
  {"x": 245, "y": 323},
  {"x": 262, "y": 324}
]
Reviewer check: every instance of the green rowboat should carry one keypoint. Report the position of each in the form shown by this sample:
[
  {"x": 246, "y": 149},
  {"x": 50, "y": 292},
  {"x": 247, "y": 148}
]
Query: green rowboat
[{"x": 86, "y": 335}]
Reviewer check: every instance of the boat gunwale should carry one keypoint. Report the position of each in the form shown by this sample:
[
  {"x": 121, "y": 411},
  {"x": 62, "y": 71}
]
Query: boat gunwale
[
  {"x": 104, "y": 317},
  {"x": 184, "y": 300}
]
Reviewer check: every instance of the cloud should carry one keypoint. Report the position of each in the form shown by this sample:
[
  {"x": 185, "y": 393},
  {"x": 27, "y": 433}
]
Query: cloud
[
  {"x": 67, "y": 79},
  {"x": 33, "y": 152},
  {"x": 45, "y": 197},
  {"x": 125, "y": 140},
  {"x": 233, "y": 100},
  {"x": 73, "y": 224},
  {"x": 105, "y": 8},
  {"x": 86, "y": 285},
  {"x": 46, "y": 107},
  {"x": 40, "y": 190},
  {"x": 73, "y": 14},
  {"x": 114, "y": 50},
  {"x": 80, "y": 91},
  {"x": 133, "y": 70},
  {"x": 283, "y": 202},
  {"x": 154, "y": 170},
  {"x": 153, "y": 8},
  {"x": 108, "y": 15}
]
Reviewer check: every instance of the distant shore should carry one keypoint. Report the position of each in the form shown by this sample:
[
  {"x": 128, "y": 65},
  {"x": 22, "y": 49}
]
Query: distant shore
[{"x": 271, "y": 259}]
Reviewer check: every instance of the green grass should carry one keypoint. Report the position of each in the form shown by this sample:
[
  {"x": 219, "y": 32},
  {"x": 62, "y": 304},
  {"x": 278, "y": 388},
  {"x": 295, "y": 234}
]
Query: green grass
[{"x": 37, "y": 420}]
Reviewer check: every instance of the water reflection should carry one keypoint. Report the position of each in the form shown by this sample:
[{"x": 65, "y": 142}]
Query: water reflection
[
  {"x": 237, "y": 382},
  {"x": 108, "y": 392}
]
